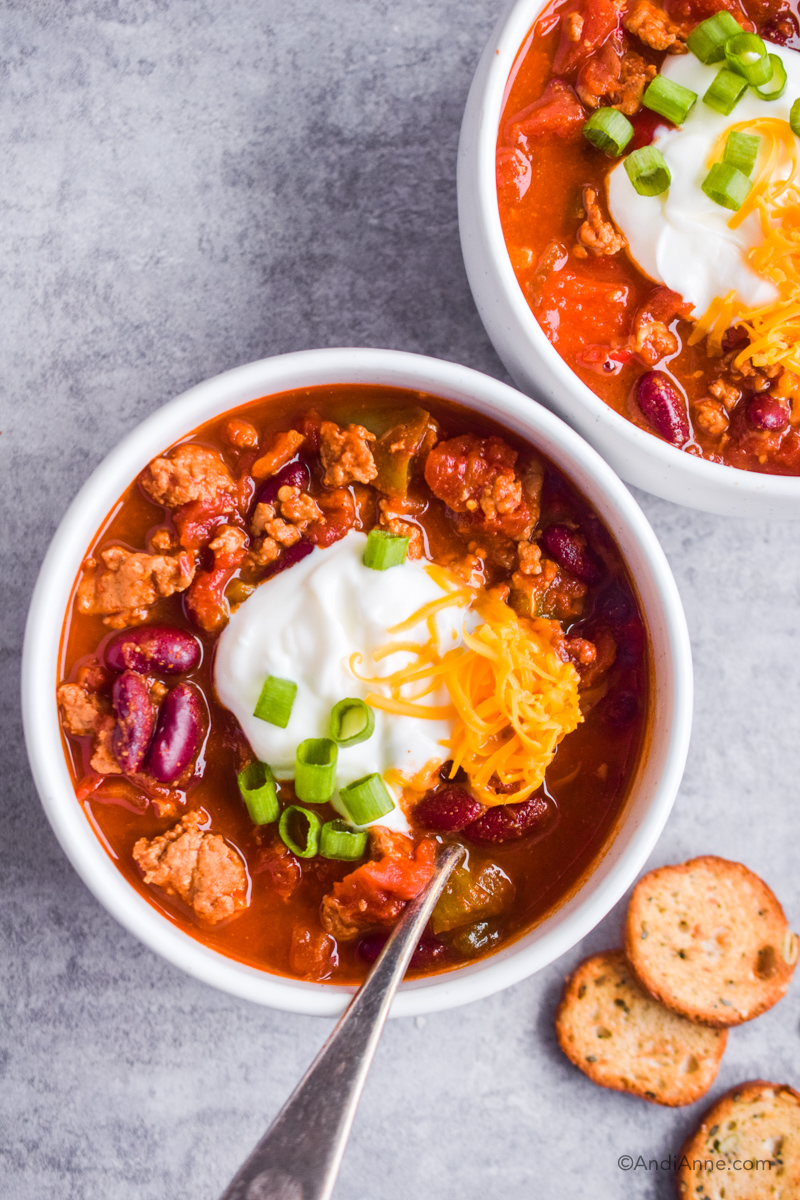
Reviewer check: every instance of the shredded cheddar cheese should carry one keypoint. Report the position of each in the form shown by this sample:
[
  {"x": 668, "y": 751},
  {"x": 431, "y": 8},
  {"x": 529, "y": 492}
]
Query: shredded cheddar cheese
[
  {"x": 774, "y": 328},
  {"x": 512, "y": 698}
]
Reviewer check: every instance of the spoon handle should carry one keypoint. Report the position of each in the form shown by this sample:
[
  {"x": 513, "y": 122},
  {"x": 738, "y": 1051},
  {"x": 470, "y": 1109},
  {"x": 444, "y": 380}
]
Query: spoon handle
[{"x": 299, "y": 1156}]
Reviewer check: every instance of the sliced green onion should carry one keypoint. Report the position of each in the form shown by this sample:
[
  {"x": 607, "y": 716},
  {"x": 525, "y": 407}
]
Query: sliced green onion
[
  {"x": 741, "y": 151},
  {"x": 366, "y": 799},
  {"x": 352, "y": 721},
  {"x": 746, "y": 54},
  {"x": 776, "y": 85},
  {"x": 794, "y": 118},
  {"x": 726, "y": 186},
  {"x": 727, "y": 89},
  {"x": 669, "y": 99},
  {"x": 385, "y": 550},
  {"x": 647, "y": 171},
  {"x": 276, "y": 700},
  {"x": 609, "y": 130},
  {"x": 259, "y": 792},
  {"x": 293, "y": 816},
  {"x": 707, "y": 40},
  {"x": 338, "y": 840},
  {"x": 315, "y": 770}
]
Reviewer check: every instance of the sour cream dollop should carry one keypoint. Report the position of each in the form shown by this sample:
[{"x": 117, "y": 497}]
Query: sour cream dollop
[
  {"x": 305, "y": 625},
  {"x": 682, "y": 238}
]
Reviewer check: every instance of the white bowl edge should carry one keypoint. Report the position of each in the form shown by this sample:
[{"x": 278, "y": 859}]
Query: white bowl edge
[
  {"x": 639, "y": 457},
  {"x": 660, "y": 775}
]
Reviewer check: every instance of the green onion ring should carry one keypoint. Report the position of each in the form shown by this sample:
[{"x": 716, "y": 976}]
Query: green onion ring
[
  {"x": 311, "y": 846},
  {"x": 259, "y": 792},
  {"x": 351, "y": 714},
  {"x": 315, "y": 770}
]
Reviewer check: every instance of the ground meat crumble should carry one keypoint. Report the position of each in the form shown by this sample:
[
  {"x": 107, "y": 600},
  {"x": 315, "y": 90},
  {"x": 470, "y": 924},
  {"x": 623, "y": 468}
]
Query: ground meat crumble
[
  {"x": 346, "y": 454},
  {"x": 131, "y": 583},
  {"x": 189, "y": 473},
  {"x": 196, "y": 865}
]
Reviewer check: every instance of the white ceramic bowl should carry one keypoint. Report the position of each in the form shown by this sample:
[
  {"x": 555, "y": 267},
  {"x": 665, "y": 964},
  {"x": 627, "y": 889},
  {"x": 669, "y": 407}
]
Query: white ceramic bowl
[
  {"x": 659, "y": 774},
  {"x": 639, "y": 457}
]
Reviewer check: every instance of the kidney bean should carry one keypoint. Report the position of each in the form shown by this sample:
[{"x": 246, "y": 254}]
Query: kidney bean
[
  {"x": 508, "y": 822},
  {"x": 619, "y": 711},
  {"x": 177, "y": 737},
  {"x": 570, "y": 550},
  {"x": 445, "y": 770},
  {"x": 159, "y": 648},
  {"x": 617, "y": 606},
  {"x": 735, "y": 338},
  {"x": 447, "y": 809},
  {"x": 768, "y": 412},
  {"x": 429, "y": 950},
  {"x": 291, "y": 555},
  {"x": 663, "y": 406},
  {"x": 781, "y": 28},
  {"x": 135, "y": 720},
  {"x": 294, "y": 474}
]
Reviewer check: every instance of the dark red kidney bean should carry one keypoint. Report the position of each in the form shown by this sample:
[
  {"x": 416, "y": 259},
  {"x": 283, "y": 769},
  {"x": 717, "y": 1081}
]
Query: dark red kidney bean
[
  {"x": 444, "y": 773},
  {"x": 177, "y": 737},
  {"x": 429, "y": 950},
  {"x": 508, "y": 822},
  {"x": 292, "y": 554},
  {"x": 768, "y": 412},
  {"x": 781, "y": 29},
  {"x": 630, "y": 643},
  {"x": 135, "y": 720},
  {"x": 569, "y": 549},
  {"x": 620, "y": 711},
  {"x": 616, "y": 606},
  {"x": 645, "y": 124},
  {"x": 447, "y": 809},
  {"x": 294, "y": 474},
  {"x": 159, "y": 648},
  {"x": 663, "y": 406},
  {"x": 735, "y": 338}
]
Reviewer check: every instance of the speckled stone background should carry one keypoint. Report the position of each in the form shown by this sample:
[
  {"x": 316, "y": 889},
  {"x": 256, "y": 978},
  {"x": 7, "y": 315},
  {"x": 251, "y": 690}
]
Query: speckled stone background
[{"x": 185, "y": 186}]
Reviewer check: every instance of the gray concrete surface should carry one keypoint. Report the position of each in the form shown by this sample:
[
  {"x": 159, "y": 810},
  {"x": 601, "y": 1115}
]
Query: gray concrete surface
[{"x": 185, "y": 186}]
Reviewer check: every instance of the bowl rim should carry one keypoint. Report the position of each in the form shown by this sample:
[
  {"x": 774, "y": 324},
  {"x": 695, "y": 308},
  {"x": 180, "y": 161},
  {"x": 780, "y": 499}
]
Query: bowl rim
[
  {"x": 490, "y": 81},
  {"x": 53, "y": 591}
]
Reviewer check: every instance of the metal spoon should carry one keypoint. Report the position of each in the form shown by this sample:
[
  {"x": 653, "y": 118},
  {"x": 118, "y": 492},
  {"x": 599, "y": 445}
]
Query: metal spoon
[{"x": 299, "y": 1156}]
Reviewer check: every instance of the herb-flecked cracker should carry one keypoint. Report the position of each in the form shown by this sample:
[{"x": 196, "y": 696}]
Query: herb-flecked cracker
[
  {"x": 747, "y": 1148},
  {"x": 710, "y": 941},
  {"x": 623, "y": 1039}
]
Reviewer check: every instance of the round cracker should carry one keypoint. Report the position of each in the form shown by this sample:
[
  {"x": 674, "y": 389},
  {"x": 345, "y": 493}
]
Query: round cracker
[
  {"x": 747, "y": 1148},
  {"x": 710, "y": 941},
  {"x": 623, "y": 1039}
]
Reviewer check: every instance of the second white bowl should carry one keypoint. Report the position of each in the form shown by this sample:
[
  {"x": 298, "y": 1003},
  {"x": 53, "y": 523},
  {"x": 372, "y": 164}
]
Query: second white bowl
[{"x": 639, "y": 457}]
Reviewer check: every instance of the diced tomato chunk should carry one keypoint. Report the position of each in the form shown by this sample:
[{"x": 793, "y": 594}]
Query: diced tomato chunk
[
  {"x": 196, "y": 521},
  {"x": 283, "y": 871},
  {"x": 377, "y": 891},
  {"x": 457, "y": 470},
  {"x": 664, "y": 305},
  {"x": 692, "y": 12},
  {"x": 513, "y": 174},
  {"x": 205, "y": 598},
  {"x": 339, "y": 516},
  {"x": 558, "y": 112},
  {"x": 312, "y": 952},
  {"x": 477, "y": 476},
  {"x": 597, "y": 308},
  {"x": 601, "y": 18},
  {"x": 401, "y": 877}
]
